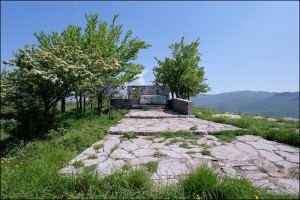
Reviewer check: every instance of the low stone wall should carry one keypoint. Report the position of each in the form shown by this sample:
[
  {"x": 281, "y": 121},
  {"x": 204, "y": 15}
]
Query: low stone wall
[
  {"x": 153, "y": 100},
  {"x": 181, "y": 106},
  {"x": 121, "y": 103},
  {"x": 135, "y": 101}
]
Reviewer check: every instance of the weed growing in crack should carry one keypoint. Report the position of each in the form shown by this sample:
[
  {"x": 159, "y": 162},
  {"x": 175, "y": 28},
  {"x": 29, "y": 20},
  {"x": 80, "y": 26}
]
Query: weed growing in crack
[
  {"x": 92, "y": 156},
  {"x": 78, "y": 164}
]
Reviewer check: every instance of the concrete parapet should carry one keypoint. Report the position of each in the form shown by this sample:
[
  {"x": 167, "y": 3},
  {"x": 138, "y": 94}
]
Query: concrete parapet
[
  {"x": 153, "y": 100},
  {"x": 181, "y": 106},
  {"x": 121, "y": 103}
]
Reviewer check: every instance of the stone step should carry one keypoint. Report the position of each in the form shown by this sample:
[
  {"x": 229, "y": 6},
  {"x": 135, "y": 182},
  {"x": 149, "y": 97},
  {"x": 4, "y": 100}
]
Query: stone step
[
  {"x": 149, "y": 133},
  {"x": 152, "y": 107},
  {"x": 158, "y": 117}
]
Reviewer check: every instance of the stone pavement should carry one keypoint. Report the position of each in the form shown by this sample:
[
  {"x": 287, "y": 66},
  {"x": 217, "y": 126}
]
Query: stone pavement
[
  {"x": 158, "y": 120},
  {"x": 266, "y": 164}
]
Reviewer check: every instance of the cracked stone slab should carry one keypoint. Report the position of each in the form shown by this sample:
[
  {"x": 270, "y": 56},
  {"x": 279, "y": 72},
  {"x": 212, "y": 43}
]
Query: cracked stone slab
[
  {"x": 142, "y": 160},
  {"x": 237, "y": 159},
  {"x": 270, "y": 156},
  {"x": 151, "y": 126},
  {"x": 226, "y": 152},
  {"x": 144, "y": 152},
  {"x": 248, "y": 138},
  {"x": 289, "y": 156},
  {"x": 264, "y": 146},
  {"x": 129, "y": 145},
  {"x": 121, "y": 154},
  {"x": 107, "y": 167},
  {"x": 246, "y": 149},
  {"x": 171, "y": 167},
  {"x": 290, "y": 185}
]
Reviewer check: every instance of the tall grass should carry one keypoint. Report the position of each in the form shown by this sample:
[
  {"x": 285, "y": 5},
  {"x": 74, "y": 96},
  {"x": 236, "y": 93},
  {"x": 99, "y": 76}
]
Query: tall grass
[
  {"x": 30, "y": 170},
  {"x": 284, "y": 133}
]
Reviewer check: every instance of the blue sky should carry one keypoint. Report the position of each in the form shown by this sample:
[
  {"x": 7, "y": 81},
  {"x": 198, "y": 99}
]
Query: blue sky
[{"x": 244, "y": 45}]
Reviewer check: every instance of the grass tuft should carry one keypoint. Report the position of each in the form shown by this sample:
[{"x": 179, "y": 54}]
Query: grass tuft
[
  {"x": 78, "y": 164},
  {"x": 158, "y": 154},
  {"x": 129, "y": 136},
  {"x": 92, "y": 156},
  {"x": 151, "y": 166},
  {"x": 205, "y": 152},
  {"x": 98, "y": 146}
]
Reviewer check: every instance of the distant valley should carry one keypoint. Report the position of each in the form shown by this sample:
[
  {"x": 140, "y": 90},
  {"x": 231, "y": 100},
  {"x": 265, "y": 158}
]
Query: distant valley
[{"x": 285, "y": 104}]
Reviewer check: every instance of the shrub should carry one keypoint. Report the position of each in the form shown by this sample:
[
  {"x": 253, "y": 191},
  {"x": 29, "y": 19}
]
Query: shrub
[
  {"x": 8, "y": 112},
  {"x": 9, "y": 125}
]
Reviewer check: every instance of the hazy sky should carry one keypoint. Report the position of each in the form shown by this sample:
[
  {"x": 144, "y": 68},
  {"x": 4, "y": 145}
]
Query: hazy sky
[{"x": 244, "y": 45}]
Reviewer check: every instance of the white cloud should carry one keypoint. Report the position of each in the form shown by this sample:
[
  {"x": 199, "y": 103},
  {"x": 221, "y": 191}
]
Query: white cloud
[{"x": 141, "y": 80}]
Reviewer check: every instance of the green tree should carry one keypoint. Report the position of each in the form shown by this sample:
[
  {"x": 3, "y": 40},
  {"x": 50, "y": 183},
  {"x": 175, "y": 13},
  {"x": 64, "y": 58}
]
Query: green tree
[
  {"x": 100, "y": 40},
  {"x": 181, "y": 73},
  {"x": 41, "y": 78},
  {"x": 105, "y": 40}
]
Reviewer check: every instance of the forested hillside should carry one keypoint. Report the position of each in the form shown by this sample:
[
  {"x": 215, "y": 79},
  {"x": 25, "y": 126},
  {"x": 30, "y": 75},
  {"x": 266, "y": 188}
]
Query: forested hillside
[{"x": 284, "y": 104}]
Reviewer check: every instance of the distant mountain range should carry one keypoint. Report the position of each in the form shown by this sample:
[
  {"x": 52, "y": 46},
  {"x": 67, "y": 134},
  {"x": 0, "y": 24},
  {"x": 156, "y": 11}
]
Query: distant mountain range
[{"x": 285, "y": 104}]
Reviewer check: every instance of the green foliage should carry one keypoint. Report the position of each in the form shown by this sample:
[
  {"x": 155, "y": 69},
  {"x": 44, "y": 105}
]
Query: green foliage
[
  {"x": 8, "y": 125},
  {"x": 174, "y": 140},
  {"x": 92, "y": 156},
  {"x": 114, "y": 148},
  {"x": 262, "y": 169},
  {"x": 129, "y": 136},
  {"x": 193, "y": 128},
  {"x": 205, "y": 184},
  {"x": 78, "y": 164},
  {"x": 205, "y": 152},
  {"x": 182, "y": 74},
  {"x": 8, "y": 112},
  {"x": 27, "y": 174},
  {"x": 98, "y": 146},
  {"x": 158, "y": 154},
  {"x": 151, "y": 166},
  {"x": 93, "y": 63},
  {"x": 185, "y": 145}
]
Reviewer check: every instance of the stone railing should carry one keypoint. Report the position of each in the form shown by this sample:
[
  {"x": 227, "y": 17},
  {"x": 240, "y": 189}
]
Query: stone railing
[
  {"x": 153, "y": 100},
  {"x": 121, "y": 103},
  {"x": 181, "y": 106}
]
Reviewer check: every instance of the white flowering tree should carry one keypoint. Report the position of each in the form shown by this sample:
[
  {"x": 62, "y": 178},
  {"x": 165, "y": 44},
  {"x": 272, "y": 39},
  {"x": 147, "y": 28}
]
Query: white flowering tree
[{"x": 50, "y": 74}]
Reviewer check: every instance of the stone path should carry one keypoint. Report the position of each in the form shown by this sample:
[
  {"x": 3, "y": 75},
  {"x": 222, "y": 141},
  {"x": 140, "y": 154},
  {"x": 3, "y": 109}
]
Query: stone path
[
  {"x": 159, "y": 120},
  {"x": 264, "y": 163}
]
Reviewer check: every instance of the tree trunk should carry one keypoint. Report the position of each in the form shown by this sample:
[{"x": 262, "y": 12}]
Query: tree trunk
[
  {"x": 99, "y": 108},
  {"x": 76, "y": 97},
  {"x": 177, "y": 93},
  {"x": 63, "y": 105},
  {"x": 172, "y": 93},
  {"x": 84, "y": 102},
  {"x": 80, "y": 101},
  {"x": 91, "y": 101}
]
